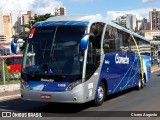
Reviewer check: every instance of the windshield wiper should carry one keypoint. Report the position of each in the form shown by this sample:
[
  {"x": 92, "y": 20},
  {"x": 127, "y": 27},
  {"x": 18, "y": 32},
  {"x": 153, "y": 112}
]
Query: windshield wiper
[{"x": 52, "y": 58}]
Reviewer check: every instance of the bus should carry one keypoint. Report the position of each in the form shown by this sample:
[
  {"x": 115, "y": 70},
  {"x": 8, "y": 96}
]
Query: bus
[{"x": 77, "y": 59}]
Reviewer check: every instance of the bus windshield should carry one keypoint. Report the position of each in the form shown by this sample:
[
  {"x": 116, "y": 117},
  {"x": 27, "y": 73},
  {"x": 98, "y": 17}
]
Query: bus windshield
[{"x": 54, "y": 50}]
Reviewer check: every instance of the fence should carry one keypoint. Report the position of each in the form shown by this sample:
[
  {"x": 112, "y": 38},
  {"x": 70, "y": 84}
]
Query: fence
[{"x": 8, "y": 76}]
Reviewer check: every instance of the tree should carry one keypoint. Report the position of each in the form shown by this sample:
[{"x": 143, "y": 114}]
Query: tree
[{"x": 35, "y": 19}]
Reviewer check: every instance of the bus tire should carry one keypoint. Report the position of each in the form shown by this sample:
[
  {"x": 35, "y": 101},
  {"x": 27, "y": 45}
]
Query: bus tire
[
  {"x": 101, "y": 92},
  {"x": 139, "y": 86},
  {"x": 143, "y": 83}
]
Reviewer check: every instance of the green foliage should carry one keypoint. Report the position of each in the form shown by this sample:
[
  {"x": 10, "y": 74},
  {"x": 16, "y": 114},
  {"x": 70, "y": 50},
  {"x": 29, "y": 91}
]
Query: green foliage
[
  {"x": 37, "y": 19},
  {"x": 7, "y": 75}
]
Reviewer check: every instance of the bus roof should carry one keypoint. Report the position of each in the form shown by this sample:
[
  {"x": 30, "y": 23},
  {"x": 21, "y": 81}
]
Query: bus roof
[
  {"x": 75, "y": 18},
  {"x": 126, "y": 30},
  {"x": 71, "y": 20}
]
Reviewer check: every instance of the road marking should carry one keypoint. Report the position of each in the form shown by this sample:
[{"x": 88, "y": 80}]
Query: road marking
[{"x": 9, "y": 97}]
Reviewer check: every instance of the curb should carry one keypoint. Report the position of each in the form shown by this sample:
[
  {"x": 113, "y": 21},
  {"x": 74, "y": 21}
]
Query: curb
[
  {"x": 9, "y": 97},
  {"x": 155, "y": 70}
]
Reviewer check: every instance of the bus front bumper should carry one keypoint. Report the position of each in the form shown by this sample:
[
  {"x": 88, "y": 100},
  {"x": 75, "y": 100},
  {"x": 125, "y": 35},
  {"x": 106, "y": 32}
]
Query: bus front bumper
[{"x": 58, "y": 97}]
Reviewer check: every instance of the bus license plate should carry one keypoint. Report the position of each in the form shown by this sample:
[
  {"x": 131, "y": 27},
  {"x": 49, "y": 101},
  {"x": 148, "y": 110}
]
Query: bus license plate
[{"x": 46, "y": 96}]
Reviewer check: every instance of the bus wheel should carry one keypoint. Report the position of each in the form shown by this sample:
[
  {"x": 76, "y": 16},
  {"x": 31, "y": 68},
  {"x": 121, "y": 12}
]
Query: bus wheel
[
  {"x": 143, "y": 82},
  {"x": 139, "y": 86},
  {"x": 101, "y": 94}
]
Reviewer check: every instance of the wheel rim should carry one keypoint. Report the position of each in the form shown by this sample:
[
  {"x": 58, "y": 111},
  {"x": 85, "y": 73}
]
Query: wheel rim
[
  {"x": 139, "y": 83},
  {"x": 143, "y": 82},
  {"x": 100, "y": 93}
]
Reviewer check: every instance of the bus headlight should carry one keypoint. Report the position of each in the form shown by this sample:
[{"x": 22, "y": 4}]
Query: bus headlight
[
  {"x": 73, "y": 84},
  {"x": 25, "y": 84}
]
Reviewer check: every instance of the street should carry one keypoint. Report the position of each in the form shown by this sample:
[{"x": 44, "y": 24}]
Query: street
[{"x": 146, "y": 99}]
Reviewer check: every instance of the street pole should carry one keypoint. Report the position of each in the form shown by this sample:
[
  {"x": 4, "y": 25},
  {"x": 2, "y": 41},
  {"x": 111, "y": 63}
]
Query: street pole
[{"x": 3, "y": 72}]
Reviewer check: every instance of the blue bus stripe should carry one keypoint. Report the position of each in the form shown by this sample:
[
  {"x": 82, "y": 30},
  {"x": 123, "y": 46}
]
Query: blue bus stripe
[
  {"x": 130, "y": 76},
  {"x": 124, "y": 76},
  {"x": 130, "y": 79},
  {"x": 50, "y": 23},
  {"x": 67, "y": 22},
  {"x": 78, "y": 23}
]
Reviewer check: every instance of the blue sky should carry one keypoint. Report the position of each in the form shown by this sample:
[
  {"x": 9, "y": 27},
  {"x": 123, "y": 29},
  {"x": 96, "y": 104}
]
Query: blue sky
[
  {"x": 107, "y": 8},
  {"x": 111, "y": 8}
]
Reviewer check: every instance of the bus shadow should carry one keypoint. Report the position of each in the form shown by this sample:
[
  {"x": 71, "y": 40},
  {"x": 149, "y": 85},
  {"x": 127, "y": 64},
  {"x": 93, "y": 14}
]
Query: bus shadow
[
  {"x": 56, "y": 109},
  {"x": 158, "y": 74},
  {"x": 42, "y": 107},
  {"x": 112, "y": 96}
]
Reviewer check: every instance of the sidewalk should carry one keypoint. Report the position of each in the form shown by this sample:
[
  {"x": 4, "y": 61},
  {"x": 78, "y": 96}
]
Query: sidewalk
[
  {"x": 155, "y": 68},
  {"x": 14, "y": 89},
  {"x": 9, "y": 91}
]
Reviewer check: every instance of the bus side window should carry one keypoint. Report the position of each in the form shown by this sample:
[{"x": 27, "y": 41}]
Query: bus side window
[{"x": 109, "y": 40}]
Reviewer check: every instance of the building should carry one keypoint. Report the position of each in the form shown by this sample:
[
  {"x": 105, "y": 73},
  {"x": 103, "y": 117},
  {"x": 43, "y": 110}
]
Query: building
[
  {"x": 131, "y": 22},
  {"x": 154, "y": 37},
  {"x": 27, "y": 19},
  {"x": 121, "y": 20},
  {"x": 60, "y": 10},
  {"x": 154, "y": 17},
  {"x": 1, "y": 23},
  {"x": 142, "y": 24},
  {"x": 15, "y": 21},
  {"x": 10, "y": 24},
  {"x": 152, "y": 34},
  {"x": 7, "y": 26},
  {"x": 127, "y": 21},
  {"x": 2, "y": 36}
]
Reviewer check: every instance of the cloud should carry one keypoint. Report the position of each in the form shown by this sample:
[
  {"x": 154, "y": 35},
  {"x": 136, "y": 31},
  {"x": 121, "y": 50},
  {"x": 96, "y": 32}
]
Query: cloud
[
  {"x": 81, "y": 0},
  {"x": 147, "y": 1},
  {"x": 140, "y": 13},
  {"x": 37, "y": 6}
]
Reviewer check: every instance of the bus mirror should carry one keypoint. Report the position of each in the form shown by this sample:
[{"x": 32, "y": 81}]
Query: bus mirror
[
  {"x": 16, "y": 44},
  {"x": 84, "y": 43},
  {"x": 13, "y": 47}
]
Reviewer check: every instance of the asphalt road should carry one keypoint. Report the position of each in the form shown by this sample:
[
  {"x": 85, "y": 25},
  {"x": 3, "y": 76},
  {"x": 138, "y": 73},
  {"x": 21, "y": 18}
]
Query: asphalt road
[{"x": 124, "y": 103}]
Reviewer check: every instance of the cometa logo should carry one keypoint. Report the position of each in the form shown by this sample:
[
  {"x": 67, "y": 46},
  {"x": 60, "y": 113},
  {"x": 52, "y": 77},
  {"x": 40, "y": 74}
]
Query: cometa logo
[{"x": 121, "y": 60}]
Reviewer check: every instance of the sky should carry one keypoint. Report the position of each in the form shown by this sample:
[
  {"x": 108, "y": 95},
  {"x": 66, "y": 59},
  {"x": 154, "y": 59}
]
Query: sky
[{"x": 109, "y": 9}]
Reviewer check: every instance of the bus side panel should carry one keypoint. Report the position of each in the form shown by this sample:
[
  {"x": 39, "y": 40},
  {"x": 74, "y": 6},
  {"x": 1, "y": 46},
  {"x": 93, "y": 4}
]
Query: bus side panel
[
  {"x": 147, "y": 66},
  {"x": 121, "y": 70}
]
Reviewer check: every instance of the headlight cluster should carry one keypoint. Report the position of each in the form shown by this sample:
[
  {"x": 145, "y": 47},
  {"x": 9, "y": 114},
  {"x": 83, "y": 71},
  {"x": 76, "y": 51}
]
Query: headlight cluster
[
  {"x": 25, "y": 84},
  {"x": 73, "y": 84}
]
